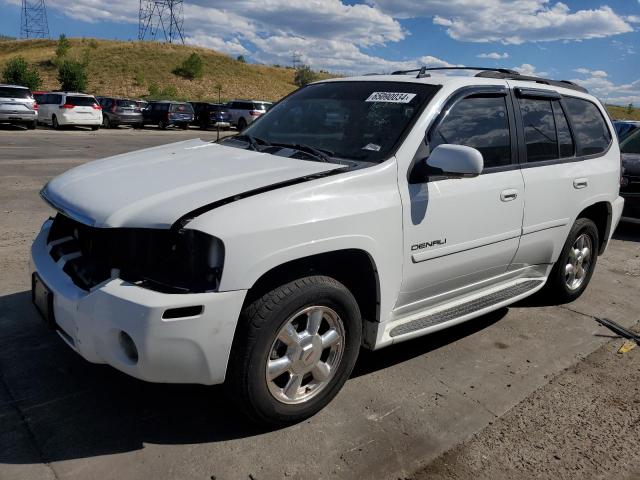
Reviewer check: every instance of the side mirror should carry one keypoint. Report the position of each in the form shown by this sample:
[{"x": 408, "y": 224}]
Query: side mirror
[{"x": 456, "y": 161}]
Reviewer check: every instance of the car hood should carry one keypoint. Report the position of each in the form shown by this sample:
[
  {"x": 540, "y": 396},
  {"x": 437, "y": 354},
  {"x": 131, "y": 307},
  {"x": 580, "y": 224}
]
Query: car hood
[
  {"x": 155, "y": 187},
  {"x": 631, "y": 164}
]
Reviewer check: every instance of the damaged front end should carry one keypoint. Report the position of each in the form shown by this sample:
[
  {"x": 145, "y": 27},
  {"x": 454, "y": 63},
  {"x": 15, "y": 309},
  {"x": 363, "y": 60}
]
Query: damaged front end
[{"x": 163, "y": 260}]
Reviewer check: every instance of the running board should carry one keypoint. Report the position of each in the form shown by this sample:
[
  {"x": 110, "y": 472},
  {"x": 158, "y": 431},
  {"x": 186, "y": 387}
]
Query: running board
[{"x": 465, "y": 308}]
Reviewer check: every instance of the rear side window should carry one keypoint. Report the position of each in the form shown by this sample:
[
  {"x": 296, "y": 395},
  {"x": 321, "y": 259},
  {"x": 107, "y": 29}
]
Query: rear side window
[
  {"x": 260, "y": 106},
  {"x": 592, "y": 134},
  {"x": 12, "y": 92},
  {"x": 478, "y": 122},
  {"x": 80, "y": 101}
]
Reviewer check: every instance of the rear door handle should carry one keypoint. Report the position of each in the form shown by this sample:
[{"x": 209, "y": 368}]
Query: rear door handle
[
  {"x": 508, "y": 195},
  {"x": 579, "y": 183}
]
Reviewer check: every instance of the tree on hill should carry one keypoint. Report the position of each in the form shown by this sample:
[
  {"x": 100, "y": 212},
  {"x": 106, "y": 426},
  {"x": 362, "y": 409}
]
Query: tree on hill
[
  {"x": 191, "y": 68},
  {"x": 241, "y": 59},
  {"x": 18, "y": 72},
  {"x": 63, "y": 47},
  {"x": 630, "y": 108},
  {"x": 304, "y": 75},
  {"x": 72, "y": 76}
]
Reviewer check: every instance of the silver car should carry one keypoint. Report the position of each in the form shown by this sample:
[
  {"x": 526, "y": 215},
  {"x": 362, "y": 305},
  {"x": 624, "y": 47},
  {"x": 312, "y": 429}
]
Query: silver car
[
  {"x": 17, "y": 106},
  {"x": 244, "y": 112}
]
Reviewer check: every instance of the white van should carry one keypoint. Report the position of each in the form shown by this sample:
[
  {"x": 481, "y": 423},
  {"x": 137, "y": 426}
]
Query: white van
[{"x": 61, "y": 109}]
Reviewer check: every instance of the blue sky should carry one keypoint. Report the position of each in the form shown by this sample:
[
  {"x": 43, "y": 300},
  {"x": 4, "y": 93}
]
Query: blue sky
[{"x": 596, "y": 42}]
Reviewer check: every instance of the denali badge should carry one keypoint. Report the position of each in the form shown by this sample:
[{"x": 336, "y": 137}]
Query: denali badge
[{"x": 432, "y": 243}]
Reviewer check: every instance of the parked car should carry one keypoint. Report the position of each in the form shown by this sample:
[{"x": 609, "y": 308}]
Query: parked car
[
  {"x": 266, "y": 261},
  {"x": 17, "y": 106},
  {"x": 630, "y": 181},
  {"x": 120, "y": 111},
  {"x": 625, "y": 128},
  {"x": 61, "y": 109},
  {"x": 168, "y": 113},
  {"x": 209, "y": 115},
  {"x": 245, "y": 112}
]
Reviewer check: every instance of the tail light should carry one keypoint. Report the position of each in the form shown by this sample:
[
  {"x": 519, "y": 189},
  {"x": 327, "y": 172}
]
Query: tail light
[
  {"x": 35, "y": 106},
  {"x": 67, "y": 106},
  {"x": 255, "y": 113},
  {"x": 95, "y": 106}
]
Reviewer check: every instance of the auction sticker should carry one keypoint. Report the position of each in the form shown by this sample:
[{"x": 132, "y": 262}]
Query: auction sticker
[{"x": 390, "y": 97}]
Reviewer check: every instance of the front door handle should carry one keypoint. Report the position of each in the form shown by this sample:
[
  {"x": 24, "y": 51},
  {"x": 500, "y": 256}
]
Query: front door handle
[
  {"x": 579, "y": 183},
  {"x": 508, "y": 195}
]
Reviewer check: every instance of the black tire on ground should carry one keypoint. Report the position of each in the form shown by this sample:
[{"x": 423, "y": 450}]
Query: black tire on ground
[
  {"x": 95, "y": 127},
  {"x": 242, "y": 124},
  {"x": 138, "y": 126},
  {"x": 259, "y": 325},
  {"x": 184, "y": 126},
  {"x": 54, "y": 123},
  {"x": 162, "y": 125},
  {"x": 558, "y": 285},
  {"x": 203, "y": 126},
  {"x": 32, "y": 125},
  {"x": 106, "y": 123}
]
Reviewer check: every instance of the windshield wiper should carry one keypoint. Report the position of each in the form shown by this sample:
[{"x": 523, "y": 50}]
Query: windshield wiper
[
  {"x": 251, "y": 140},
  {"x": 320, "y": 153}
]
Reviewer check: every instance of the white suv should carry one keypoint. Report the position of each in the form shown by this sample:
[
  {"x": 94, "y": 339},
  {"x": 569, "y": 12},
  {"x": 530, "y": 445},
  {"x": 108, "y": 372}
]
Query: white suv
[
  {"x": 60, "y": 109},
  {"x": 245, "y": 112},
  {"x": 268, "y": 260}
]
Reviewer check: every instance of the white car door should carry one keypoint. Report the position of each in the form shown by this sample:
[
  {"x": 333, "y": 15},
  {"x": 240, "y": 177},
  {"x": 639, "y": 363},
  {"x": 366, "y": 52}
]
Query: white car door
[
  {"x": 563, "y": 142},
  {"x": 463, "y": 232}
]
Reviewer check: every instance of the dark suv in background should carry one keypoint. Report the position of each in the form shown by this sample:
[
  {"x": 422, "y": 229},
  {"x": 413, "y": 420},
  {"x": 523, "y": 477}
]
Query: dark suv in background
[
  {"x": 211, "y": 115},
  {"x": 120, "y": 111},
  {"x": 630, "y": 180},
  {"x": 166, "y": 113}
]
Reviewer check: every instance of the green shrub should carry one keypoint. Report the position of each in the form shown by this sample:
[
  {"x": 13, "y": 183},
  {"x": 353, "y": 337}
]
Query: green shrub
[
  {"x": 191, "y": 68},
  {"x": 241, "y": 59},
  {"x": 63, "y": 47},
  {"x": 154, "y": 90},
  {"x": 304, "y": 75},
  {"x": 72, "y": 76},
  {"x": 18, "y": 72}
]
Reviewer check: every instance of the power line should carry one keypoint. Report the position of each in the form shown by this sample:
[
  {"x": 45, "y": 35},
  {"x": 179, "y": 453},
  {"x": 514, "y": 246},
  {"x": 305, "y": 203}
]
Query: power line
[
  {"x": 161, "y": 17},
  {"x": 33, "y": 19}
]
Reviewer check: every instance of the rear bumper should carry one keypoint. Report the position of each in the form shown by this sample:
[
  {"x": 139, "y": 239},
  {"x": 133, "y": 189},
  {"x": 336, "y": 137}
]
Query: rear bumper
[
  {"x": 127, "y": 120},
  {"x": 183, "y": 350},
  {"x": 79, "y": 121},
  {"x": 18, "y": 117}
]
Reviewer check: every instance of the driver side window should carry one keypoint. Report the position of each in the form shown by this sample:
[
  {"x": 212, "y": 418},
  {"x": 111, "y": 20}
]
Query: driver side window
[{"x": 481, "y": 122}]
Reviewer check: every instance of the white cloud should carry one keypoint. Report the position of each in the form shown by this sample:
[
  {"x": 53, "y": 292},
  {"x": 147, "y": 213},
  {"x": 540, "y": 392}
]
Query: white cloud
[
  {"x": 494, "y": 55},
  {"x": 528, "y": 69},
  {"x": 599, "y": 84},
  {"x": 510, "y": 21},
  {"x": 231, "y": 47}
]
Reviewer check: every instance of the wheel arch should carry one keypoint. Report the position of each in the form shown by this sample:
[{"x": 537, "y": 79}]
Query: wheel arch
[
  {"x": 601, "y": 213},
  {"x": 354, "y": 268}
]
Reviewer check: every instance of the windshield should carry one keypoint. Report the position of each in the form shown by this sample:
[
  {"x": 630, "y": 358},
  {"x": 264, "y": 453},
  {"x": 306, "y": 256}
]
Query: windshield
[
  {"x": 81, "y": 101},
  {"x": 126, "y": 103},
  {"x": 12, "y": 92},
  {"x": 352, "y": 120},
  {"x": 631, "y": 144},
  {"x": 181, "y": 108}
]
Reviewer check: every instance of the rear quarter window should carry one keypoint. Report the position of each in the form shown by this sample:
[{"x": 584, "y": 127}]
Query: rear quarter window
[
  {"x": 590, "y": 129},
  {"x": 12, "y": 92}
]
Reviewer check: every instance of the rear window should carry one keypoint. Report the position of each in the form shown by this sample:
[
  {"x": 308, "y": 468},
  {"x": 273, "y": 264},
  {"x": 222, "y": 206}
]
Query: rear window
[
  {"x": 12, "y": 92},
  {"x": 126, "y": 104},
  {"x": 80, "y": 101},
  {"x": 181, "y": 108},
  {"x": 261, "y": 106},
  {"x": 592, "y": 134}
]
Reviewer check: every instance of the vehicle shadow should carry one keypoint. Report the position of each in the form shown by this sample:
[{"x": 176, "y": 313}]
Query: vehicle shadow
[
  {"x": 9, "y": 127},
  {"x": 56, "y": 406},
  {"x": 629, "y": 232}
]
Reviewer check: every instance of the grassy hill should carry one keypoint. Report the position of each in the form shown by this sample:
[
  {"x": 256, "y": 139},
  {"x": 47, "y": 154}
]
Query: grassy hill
[
  {"x": 621, "y": 113},
  {"x": 128, "y": 68}
]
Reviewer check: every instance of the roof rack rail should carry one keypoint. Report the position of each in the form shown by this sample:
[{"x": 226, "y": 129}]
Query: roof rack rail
[
  {"x": 528, "y": 78},
  {"x": 423, "y": 70}
]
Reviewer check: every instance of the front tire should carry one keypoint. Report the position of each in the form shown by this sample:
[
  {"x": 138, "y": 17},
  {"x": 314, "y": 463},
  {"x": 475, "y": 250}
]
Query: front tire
[
  {"x": 294, "y": 350},
  {"x": 54, "y": 123},
  {"x": 572, "y": 272}
]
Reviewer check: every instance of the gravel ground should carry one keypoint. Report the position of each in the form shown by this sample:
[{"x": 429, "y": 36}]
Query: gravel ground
[{"x": 582, "y": 424}]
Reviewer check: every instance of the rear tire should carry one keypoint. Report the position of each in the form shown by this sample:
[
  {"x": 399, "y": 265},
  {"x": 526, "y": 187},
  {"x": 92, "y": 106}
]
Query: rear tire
[
  {"x": 95, "y": 127},
  {"x": 162, "y": 125},
  {"x": 32, "y": 125},
  {"x": 242, "y": 124},
  {"x": 106, "y": 123},
  {"x": 572, "y": 272},
  {"x": 281, "y": 376},
  {"x": 184, "y": 126},
  {"x": 54, "y": 123}
]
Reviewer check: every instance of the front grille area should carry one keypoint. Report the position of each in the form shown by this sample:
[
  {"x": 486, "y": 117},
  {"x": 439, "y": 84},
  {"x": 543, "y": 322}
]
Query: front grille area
[{"x": 163, "y": 260}]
